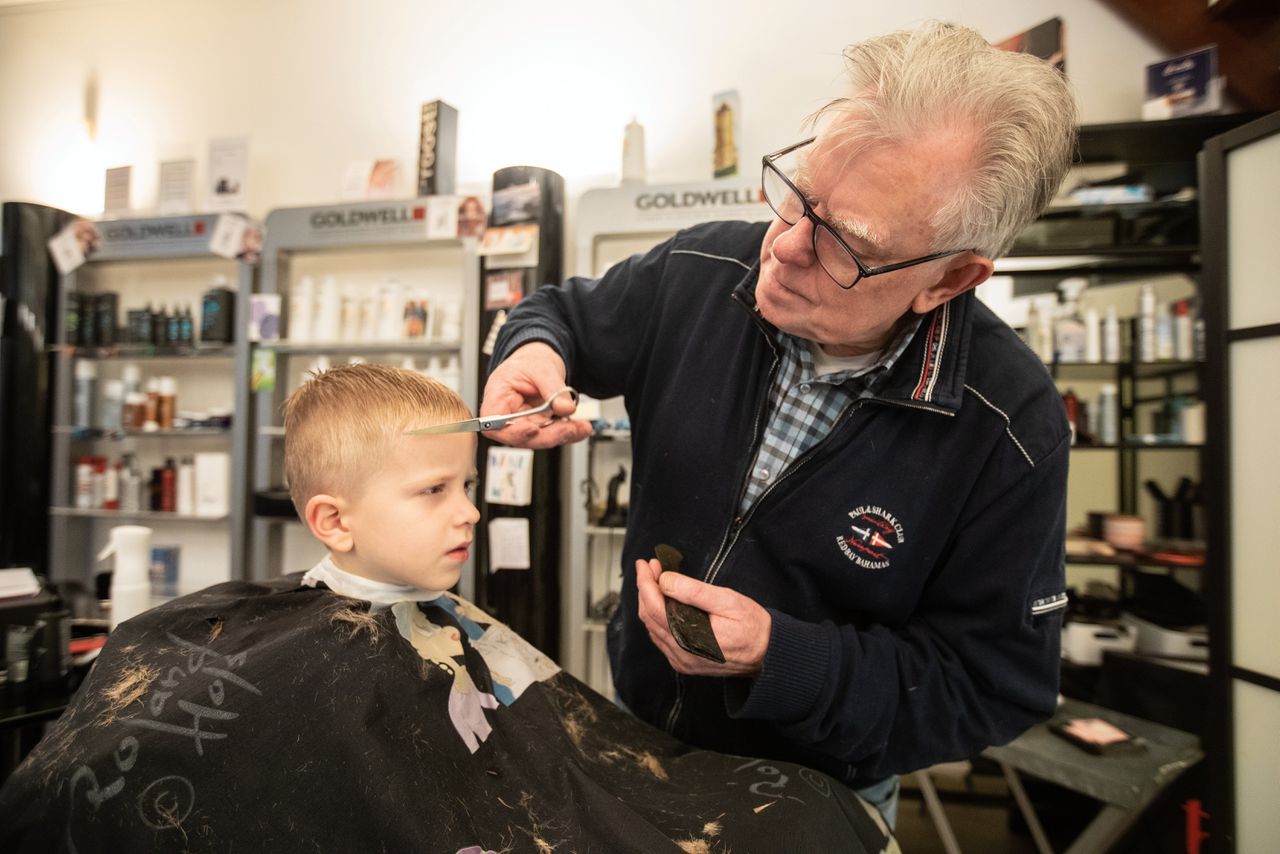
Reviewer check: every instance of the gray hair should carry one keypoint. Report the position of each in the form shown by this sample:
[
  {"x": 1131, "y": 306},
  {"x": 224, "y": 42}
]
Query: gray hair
[{"x": 1019, "y": 108}]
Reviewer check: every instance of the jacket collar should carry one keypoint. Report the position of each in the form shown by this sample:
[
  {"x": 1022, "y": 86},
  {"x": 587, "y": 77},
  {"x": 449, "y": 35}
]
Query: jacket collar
[{"x": 930, "y": 372}]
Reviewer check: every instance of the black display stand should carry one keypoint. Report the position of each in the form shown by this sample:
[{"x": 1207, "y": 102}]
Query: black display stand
[{"x": 526, "y": 600}]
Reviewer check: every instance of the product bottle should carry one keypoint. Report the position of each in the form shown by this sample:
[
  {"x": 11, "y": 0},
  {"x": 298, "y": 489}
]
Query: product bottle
[
  {"x": 173, "y": 328},
  {"x": 391, "y": 311},
  {"x": 1184, "y": 340},
  {"x": 1146, "y": 324},
  {"x": 111, "y": 418},
  {"x": 328, "y": 325},
  {"x": 1072, "y": 405},
  {"x": 86, "y": 384},
  {"x": 302, "y": 299},
  {"x": 187, "y": 332},
  {"x": 132, "y": 378},
  {"x": 350, "y": 316},
  {"x": 159, "y": 325},
  {"x": 151, "y": 420},
  {"x": 97, "y": 482},
  {"x": 166, "y": 402},
  {"x": 130, "y": 485},
  {"x": 1108, "y": 415},
  {"x": 187, "y": 487},
  {"x": 169, "y": 486},
  {"x": 1033, "y": 331},
  {"x": 1164, "y": 332},
  {"x": 84, "y": 483},
  {"x": 111, "y": 488},
  {"x": 1092, "y": 337},
  {"x": 633, "y": 160},
  {"x": 1111, "y": 336},
  {"x": 1069, "y": 334},
  {"x": 369, "y": 302}
]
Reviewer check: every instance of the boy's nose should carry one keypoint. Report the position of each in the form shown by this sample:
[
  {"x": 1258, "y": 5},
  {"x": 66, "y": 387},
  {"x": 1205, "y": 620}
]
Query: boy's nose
[{"x": 471, "y": 515}]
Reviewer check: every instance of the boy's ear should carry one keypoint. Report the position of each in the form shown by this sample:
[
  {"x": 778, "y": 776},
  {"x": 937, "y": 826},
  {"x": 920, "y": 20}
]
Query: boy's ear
[{"x": 324, "y": 516}]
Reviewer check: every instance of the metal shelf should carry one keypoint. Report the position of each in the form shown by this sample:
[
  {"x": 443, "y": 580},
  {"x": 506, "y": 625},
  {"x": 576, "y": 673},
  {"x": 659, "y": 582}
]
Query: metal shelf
[
  {"x": 138, "y": 516},
  {"x": 94, "y": 434},
  {"x": 597, "y": 530},
  {"x": 357, "y": 347},
  {"x": 148, "y": 351}
]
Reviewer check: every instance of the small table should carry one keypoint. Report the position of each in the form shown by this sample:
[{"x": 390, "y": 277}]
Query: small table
[{"x": 1126, "y": 784}]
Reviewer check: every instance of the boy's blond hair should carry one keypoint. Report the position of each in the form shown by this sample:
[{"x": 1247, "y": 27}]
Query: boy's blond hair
[{"x": 339, "y": 424}]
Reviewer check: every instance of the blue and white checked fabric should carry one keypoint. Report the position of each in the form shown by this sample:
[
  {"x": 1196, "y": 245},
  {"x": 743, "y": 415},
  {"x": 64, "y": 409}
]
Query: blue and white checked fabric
[{"x": 803, "y": 407}]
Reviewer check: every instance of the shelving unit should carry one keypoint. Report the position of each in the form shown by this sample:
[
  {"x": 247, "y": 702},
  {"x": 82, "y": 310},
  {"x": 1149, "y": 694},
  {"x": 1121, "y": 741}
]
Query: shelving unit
[
  {"x": 361, "y": 245},
  {"x": 615, "y": 224},
  {"x": 163, "y": 260}
]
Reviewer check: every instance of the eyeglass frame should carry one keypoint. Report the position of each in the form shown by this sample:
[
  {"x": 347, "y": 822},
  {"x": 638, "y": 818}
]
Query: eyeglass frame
[{"x": 766, "y": 163}]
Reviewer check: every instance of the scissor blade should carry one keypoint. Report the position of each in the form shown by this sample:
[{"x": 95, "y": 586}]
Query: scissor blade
[{"x": 471, "y": 425}]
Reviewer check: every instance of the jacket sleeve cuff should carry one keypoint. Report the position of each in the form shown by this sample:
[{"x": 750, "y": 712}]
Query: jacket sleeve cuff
[
  {"x": 796, "y": 667},
  {"x": 526, "y": 336}
]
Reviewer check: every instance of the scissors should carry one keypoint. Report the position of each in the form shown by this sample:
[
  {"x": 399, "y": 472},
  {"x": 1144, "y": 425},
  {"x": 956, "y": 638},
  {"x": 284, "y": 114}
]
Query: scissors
[{"x": 493, "y": 422}]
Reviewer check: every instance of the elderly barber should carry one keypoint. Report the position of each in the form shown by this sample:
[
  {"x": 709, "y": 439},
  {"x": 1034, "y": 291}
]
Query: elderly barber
[{"x": 864, "y": 468}]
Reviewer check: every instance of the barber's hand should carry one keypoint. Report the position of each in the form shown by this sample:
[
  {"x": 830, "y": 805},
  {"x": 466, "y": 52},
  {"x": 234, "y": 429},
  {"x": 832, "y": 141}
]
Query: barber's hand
[
  {"x": 740, "y": 625},
  {"x": 527, "y": 378}
]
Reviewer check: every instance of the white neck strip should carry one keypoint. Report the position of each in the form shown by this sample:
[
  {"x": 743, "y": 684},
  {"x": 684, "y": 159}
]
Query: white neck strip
[{"x": 357, "y": 587}]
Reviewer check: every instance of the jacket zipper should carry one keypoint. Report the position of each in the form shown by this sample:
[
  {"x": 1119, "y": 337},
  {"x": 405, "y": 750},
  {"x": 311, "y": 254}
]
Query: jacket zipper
[{"x": 731, "y": 533}]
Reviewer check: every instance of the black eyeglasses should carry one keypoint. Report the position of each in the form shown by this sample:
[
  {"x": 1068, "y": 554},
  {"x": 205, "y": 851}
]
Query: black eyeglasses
[{"x": 839, "y": 261}]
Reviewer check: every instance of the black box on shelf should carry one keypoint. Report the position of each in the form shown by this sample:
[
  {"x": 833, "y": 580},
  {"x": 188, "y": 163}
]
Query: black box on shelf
[{"x": 217, "y": 316}]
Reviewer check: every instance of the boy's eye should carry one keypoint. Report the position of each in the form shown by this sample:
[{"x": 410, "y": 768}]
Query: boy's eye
[
  {"x": 434, "y": 490},
  {"x": 470, "y": 487}
]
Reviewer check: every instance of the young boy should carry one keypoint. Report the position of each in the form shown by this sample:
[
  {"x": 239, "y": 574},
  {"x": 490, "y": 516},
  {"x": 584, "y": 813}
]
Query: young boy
[{"x": 308, "y": 713}]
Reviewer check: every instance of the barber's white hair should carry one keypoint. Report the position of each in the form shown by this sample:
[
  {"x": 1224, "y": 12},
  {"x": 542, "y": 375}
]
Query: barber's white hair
[{"x": 1018, "y": 108}]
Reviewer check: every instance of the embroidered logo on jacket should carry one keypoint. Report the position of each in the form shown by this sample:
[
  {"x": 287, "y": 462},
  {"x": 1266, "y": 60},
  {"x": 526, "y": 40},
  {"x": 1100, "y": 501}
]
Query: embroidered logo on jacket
[{"x": 873, "y": 535}]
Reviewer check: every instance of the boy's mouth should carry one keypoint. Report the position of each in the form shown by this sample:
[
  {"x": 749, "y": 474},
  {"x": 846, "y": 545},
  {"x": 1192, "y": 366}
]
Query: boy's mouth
[{"x": 460, "y": 552}]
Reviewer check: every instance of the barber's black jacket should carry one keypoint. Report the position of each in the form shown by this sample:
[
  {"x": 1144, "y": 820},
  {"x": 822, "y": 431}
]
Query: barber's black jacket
[{"x": 912, "y": 561}]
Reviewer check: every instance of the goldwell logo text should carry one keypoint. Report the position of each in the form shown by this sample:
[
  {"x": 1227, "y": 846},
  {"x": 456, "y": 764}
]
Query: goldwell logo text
[
  {"x": 119, "y": 232},
  {"x": 355, "y": 218},
  {"x": 693, "y": 199}
]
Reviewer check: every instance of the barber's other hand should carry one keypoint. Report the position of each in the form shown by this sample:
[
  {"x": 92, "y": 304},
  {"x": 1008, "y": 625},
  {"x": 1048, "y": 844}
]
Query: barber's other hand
[
  {"x": 741, "y": 626},
  {"x": 527, "y": 378}
]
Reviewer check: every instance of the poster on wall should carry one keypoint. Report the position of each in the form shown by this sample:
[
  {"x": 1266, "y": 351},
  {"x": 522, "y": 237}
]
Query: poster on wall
[
  {"x": 229, "y": 174},
  {"x": 1043, "y": 40}
]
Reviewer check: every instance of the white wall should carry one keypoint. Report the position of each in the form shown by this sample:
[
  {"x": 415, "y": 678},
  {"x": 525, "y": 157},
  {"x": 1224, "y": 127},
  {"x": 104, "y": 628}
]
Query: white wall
[{"x": 317, "y": 83}]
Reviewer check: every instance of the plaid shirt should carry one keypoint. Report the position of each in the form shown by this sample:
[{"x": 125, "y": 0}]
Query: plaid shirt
[{"x": 803, "y": 408}]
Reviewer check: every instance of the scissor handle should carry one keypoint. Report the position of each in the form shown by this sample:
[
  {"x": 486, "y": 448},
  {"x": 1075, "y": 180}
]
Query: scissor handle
[{"x": 497, "y": 422}]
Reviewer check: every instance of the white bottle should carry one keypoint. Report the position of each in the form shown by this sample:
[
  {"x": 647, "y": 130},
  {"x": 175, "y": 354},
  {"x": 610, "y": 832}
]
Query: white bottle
[
  {"x": 185, "y": 487},
  {"x": 633, "y": 160},
  {"x": 1069, "y": 332},
  {"x": 350, "y": 316},
  {"x": 1164, "y": 332},
  {"x": 328, "y": 325},
  {"x": 369, "y": 315},
  {"x": 86, "y": 388},
  {"x": 451, "y": 323},
  {"x": 1108, "y": 415},
  {"x": 1092, "y": 336},
  {"x": 1035, "y": 331},
  {"x": 1111, "y": 336},
  {"x": 131, "y": 375},
  {"x": 302, "y": 302},
  {"x": 391, "y": 311},
  {"x": 84, "y": 484},
  {"x": 131, "y": 576},
  {"x": 1146, "y": 324},
  {"x": 1184, "y": 336},
  {"x": 112, "y": 415}
]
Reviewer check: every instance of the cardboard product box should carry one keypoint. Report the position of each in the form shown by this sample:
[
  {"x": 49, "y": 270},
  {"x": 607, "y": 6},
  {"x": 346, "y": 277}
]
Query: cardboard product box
[{"x": 213, "y": 483}]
